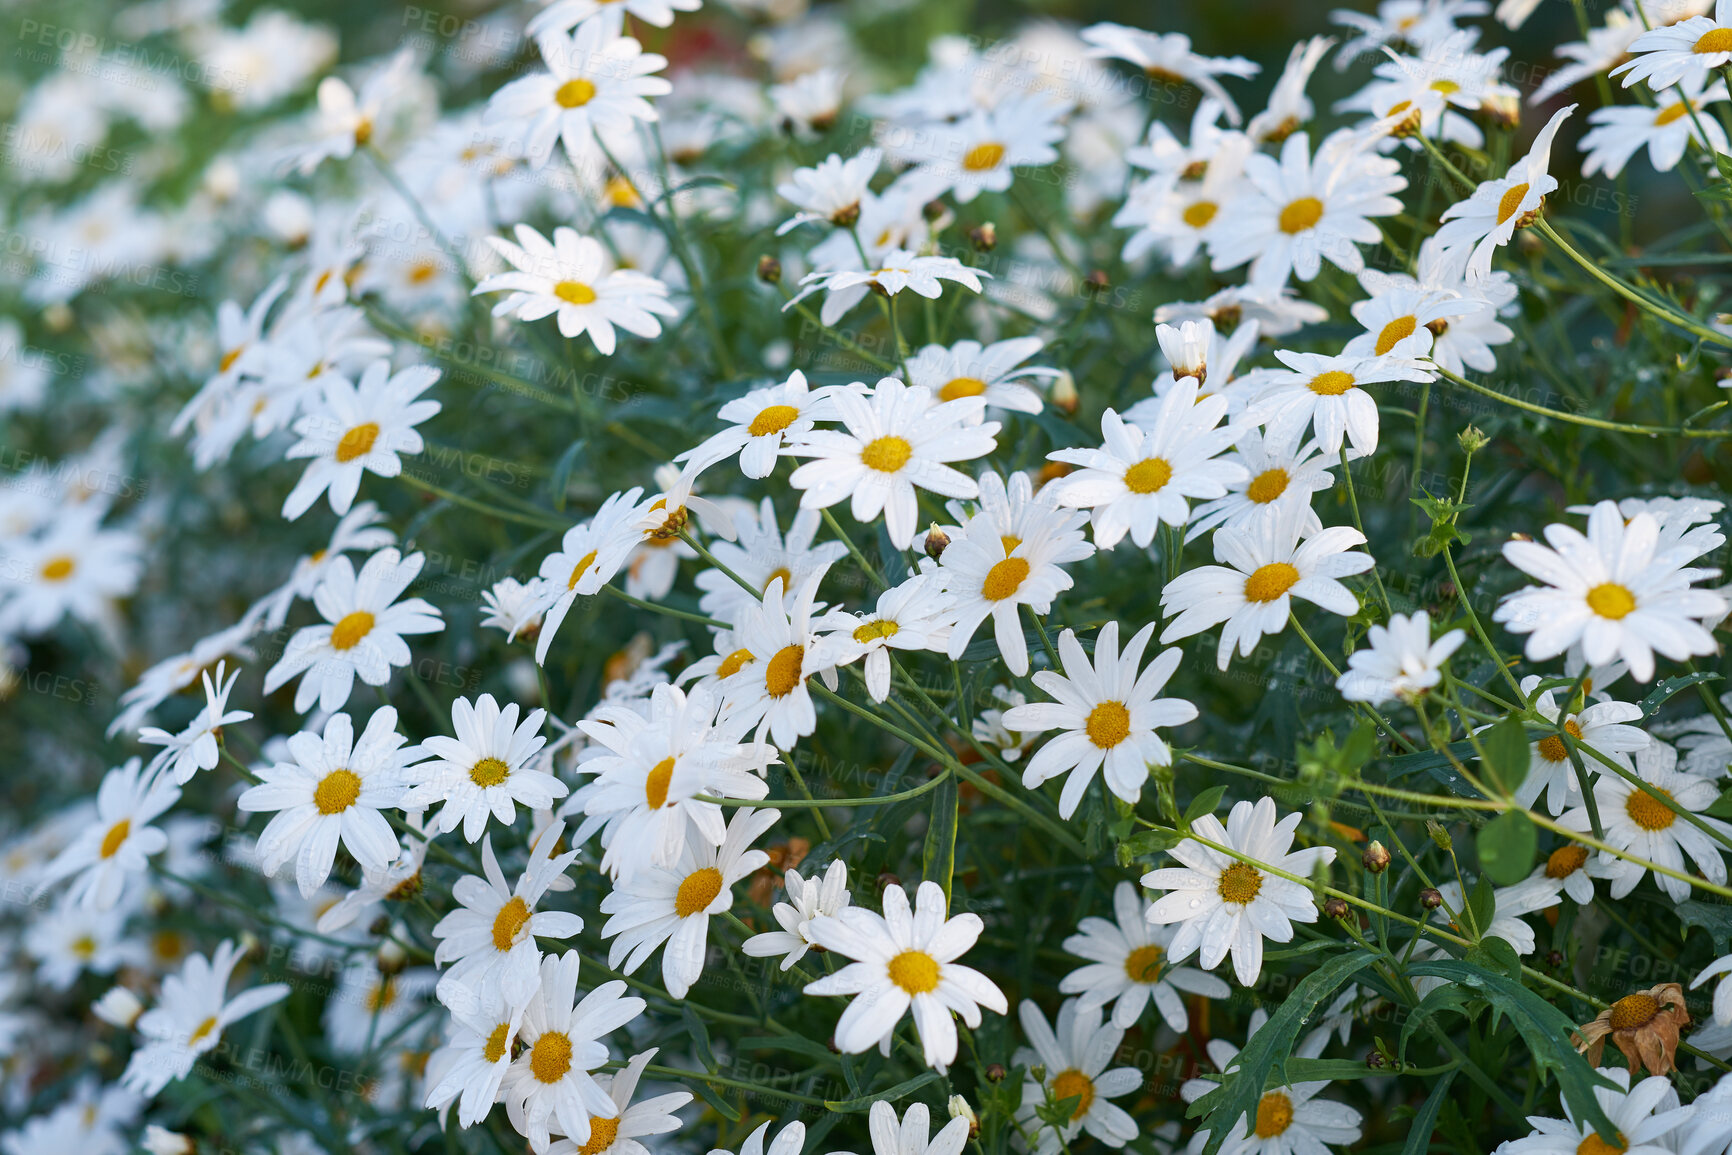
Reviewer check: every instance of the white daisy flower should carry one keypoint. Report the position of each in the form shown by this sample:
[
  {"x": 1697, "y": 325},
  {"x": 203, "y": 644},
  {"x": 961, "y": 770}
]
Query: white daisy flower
[
  {"x": 618, "y": 1134},
  {"x": 243, "y": 354},
  {"x": 1288, "y": 1119},
  {"x": 1419, "y": 23},
  {"x": 1644, "y": 1117},
  {"x": 118, "y": 840},
  {"x": 760, "y": 555},
  {"x": 1224, "y": 905},
  {"x": 893, "y": 271},
  {"x": 195, "y": 748},
  {"x": 1075, "y": 1062},
  {"x": 1129, "y": 966},
  {"x": 1611, "y": 591},
  {"x": 1489, "y": 218},
  {"x": 788, "y": 1141},
  {"x": 830, "y": 191},
  {"x": 810, "y": 103},
  {"x": 915, "y": 615},
  {"x": 1687, "y": 526},
  {"x": 190, "y": 1018},
  {"x": 673, "y": 906},
  {"x": 1566, "y": 866},
  {"x": 485, "y": 770},
  {"x": 1172, "y": 214},
  {"x": 75, "y": 567},
  {"x": 72, "y": 939},
  {"x": 1277, "y": 474},
  {"x": 1268, "y": 565},
  {"x": 360, "y": 428},
  {"x": 1456, "y": 342},
  {"x": 1326, "y": 395},
  {"x": 763, "y": 422},
  {"x": 808, "y": 898},
  {"x": 1692, "y": 48},
  {"x": 979, "y": 152},
  {"x": 357, "y": 529},
  {"x": 1720, "y": 967},
  {"x": 767, "y": 687},
  {"x": 471, "y": 1066},
  {"x": 171, "y": 675},
  {"x": 549, "y": 1084},
  {"x": 1708, "y": 1131},
  {"x": 989, "y": 728},
  {"x": 992, "y": 372},
  {"x": 331, "y": 791},
  {"x": 1402, "y": 321},
  {"x": 1169, "y": 59},
  {"x": 596, "y": 82},
  {"x": 564, "y": 15},
  {"x": 363, "y": 634},
  {"x": 1637, "y": 820},
  {"x": 490, "y": 938},
  {"x": 1509, "y": 904},
  {"x": 1604, "y": 49},
  {"x": 573, "y": 278},
  {"x": 1144, "y": 477},
  {"x": 894, "y": 439},
  {"x": 399, "y": 880},
  {"x": 1666, "y": 129},
  {"x": 516, "y": 607},
  {"x": 346, "y": 121},
  {"x": 587, "y": 559},
  {"x": 1108, "y": 712},
  {"x": 1289, "y": 108},
  {"x": 1603, "y": 725},
  {"x": 1399, "y": 661},
  {"x": 369, "y": 1005},
  {"x": 905, "y": 959}
]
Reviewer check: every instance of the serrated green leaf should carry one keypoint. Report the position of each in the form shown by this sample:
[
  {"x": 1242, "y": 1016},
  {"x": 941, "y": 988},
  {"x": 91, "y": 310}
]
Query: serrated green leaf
[
  {"x": 1494, "y": 954},
  {"x": 1506, "y": 846},
  {"x": 1506, "y": 749},
  {"x": 890, "y": 1094},
  {"x": 1713, "y": 917}
]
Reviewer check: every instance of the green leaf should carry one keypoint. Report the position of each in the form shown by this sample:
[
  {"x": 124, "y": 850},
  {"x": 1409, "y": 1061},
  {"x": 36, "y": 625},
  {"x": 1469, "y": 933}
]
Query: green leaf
[
  {"x": 1147, "y": 842},
  {"x": 797, "y": 1044},
  {"x": 699, "y": 1036},
  {"x": 1666, "y": 687},
  {"x": 1721, "y": 807},
  {"x": 1204, "y": 803},
  {"x": 1494, "y": 954},
  {"x": 1713, "y": 917},
  {"x": 1506, "y": 846},
  {"x": 1425, "y": 1120},
  {"x": 1507, "y": 752},
  {"x": 939, "y": 861},
  {"x": 1273, "y": 1044},
  {"x": 864, "y": 1102},
  {"x": 1482, "y": 902},
  {"x": 708, "y": 1094},
  {"x": 1544, "y": 1028}
]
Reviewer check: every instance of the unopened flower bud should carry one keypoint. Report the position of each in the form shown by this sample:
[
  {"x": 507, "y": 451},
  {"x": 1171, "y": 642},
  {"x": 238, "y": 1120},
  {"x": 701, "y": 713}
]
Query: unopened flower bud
[
  {"x": 391, "y": 957},
  {"x": 1502, "y": 109},
  {"x": 1439, "y": 835},
  {"x": 1430, "y": 898},
  {"x": 1472, "y": 439},
  {"x": 1096, "y": 282},
  {"x": 769, "y": 269},
  {"x": 1336, "y": 908},
  {"x": 995, "y": 1073},
  {"x": 162, "y": 1141},
  {"x": 1555, "y": 958},
  {"x": 118, "y": 1007},
  {"x": 959, "y": 1109},
  {"x": 1064, "y": 395},
  {"x": 1375, "y": 1061},
  {"x": 887, "y": 880},
  {"x": 936, "y": 541},
  {"x": 932, "y": 210},
  {"x": 984, "y": 237},
  {"x": 1376, "y": 858}
]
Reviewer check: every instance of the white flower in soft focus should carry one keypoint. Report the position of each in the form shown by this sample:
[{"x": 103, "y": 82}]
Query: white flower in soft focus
[
  {"x": 1420, "y": 23},
  {"x": 362, "y": 427},
  {"x": 990, "y": 372},
  {"x": 69, "y": 940},
  {"x": 1399, "y": 661},
  {"x": 1225, "y": 905},
  {"x": 1108, "y": 710},
  {"x": 915, "y": 615},
  {"x": 763, "y": 423},
  {"x": 1129, "y": 967},
  {"x": 1289, "y": 108},
  {"x": 563, "y": 15},
  {"x": 1169, "y": 58},
  {"x": 333, "y": 790},
  {"x": 161, "y": 1141},
  {"x": 596, "y": 82},
  {"x": 1277, "y": 313},
  {"x": 241, "y": 352},
  {"x": 485, "y": 770},
  {"x": 1604, "y": 49},
  {"x": 1690, "y": 49},
  {"x": 618, "y": 1134},
  {"x": 831, "y": 190},
  {"x": 761, "y": 555},
  {"x": 118, "y": 844},
  {"x": 989, "y": 728},
  {"x": 1489, "y": 218},
  {"x": 1326, "y": 394},
  {"x": 808, "y": 898},
  {"x": 587, "y": 558},
  {"x": 1647, "y": 1119},
  {"x": 368, "y": 1004},
  {"x": 1708, "y": 1131},
  {"x": 74, "y": 567},
  {"x": 894, "y": 271},
  {"x": 118, "y": 1007},
  {"x": 1612, "y": 591},
  {"x": 196, "y": 747},
  {"x": 516, "y": 607},
  {"x": 980, "y": 152},
  {"x": 363, "y": 634},
  {"x": 190, "y": 1018},
  {"x": 357, "y": 529},
  {"x": 1666, "y": 129},
  {"x": 1074, "y": 1059},
  {"x": 346, "y": 121},
  {"x": 1509, "y": 904},
  {"x": 810, "y": 103},
  {"x": 574, "y": 279},
  {"x": 1269, "y": 563},
  {"x": 674, "y": 905}
]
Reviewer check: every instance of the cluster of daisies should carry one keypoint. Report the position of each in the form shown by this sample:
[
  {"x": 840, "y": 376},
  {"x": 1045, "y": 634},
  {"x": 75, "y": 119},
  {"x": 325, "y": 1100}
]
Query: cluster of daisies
[{"x": 647, "y": 818}]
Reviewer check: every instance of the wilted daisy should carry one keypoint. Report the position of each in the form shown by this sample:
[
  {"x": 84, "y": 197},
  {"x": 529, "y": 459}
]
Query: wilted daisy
[
  {"x": 831, "y": 190},
  {"x": 762, "y": 422},
  {"x": 1074, "y": 1059},
  {"x": 1225, "y": 905},
  {"x": 485, "y": 770},
  {"x": 117, "y": 843},
  {"x": 905, "y": 959},
  {"x": 912, "y": 616},
  {"x": 573, "y": 279},
  {"x": 363, "y": 634},
  {"x": 1497, "y": 208},
  {"x": 618, "y": 1134},
  {"x": 673, "y": 905},
  {"x": 1268, "y": 565},
  {"x": 1643, "y": 1117},
  {"x": 1693, "y": 48},
  {"x": 1399, "y": 661},
  {"x": 549, "y": 1084},
  {"x": 587, "y": 558},
  {"x": 992, "y": 372},
  {"x": 1277, "y": 473},
  {"x": 190, "y": 1018},
  {"x": 1610, "y": 591},
  {"x": 893, "y": 271},
  {"x": 1108, "y": 710},
  {"x": 596, "y": 81},
  {"x": 1129, "y": 966},
  {"x": 1326, "y": 395},
  {"x": 359, "y": 428},
  {"x": 808, "y": 898},
  {"x": 332, "y": 791}
]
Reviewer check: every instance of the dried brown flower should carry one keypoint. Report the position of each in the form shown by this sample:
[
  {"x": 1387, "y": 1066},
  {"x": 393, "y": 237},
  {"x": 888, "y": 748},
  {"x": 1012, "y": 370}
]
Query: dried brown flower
[{"x": 1643, "y": 1025}]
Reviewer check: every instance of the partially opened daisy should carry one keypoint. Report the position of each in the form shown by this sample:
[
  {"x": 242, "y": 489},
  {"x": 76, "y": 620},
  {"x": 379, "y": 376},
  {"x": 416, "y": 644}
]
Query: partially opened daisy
[
  {"x": 190, "y": 1018},
  {"x": 992, "y": 372},
  {"x": 893, "y": 440},
  {"x": 1327, "y": 396},
  {"x": 118, "y": 842},
  {"x": 906, "y": 959},
  {"x": 587, "y": 558},
  {"x": 894, "y": 271},
  {"x": 1399, "y": 661},
  {"x": 485, "y": 770},
  {"x": 808, "y": 898},
  {"x": 1224, "y": 905},
  {"x": 912, "y": 616},
  {"x": 363, "y": 634},
  {"x": 1129, "y": 966},
  {"x": 359, "y": 428},
  {"x": 1692, "y": 48},
  {"x": 596, "y": 81},
  {"x": 1611, "y": 591},
  {"x": 573, "y": 279},
  {"x": 1647, "y": 1119},
  {"x": 1074, "y": 1059},
  {"x": 472, "y": 1064},
  {"x": 331, "y": 792},
  {"x": 831, "y": 190},
  {"x": 1488, "y": 219},
  {"x": 1108, "y": 710},
  {"x": 1268, "y": 564},
  {"x": 673, "y": 905},
  {"x": 549, "y": 1084},
  {"x": 762, "y": 422},
  {"x": 620, "y": 1132}
]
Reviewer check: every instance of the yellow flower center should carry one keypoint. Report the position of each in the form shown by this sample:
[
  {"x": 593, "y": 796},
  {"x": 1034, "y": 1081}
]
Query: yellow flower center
[
  {"x": 873, "y": 631},
  {"x": 231, "y": 357},
  {"x": 1300, "y": 215},
  {"x": 1009, "y": 541},
  {"x": 1198, "y": 214},
  {"x": 1511, "y": 201},
  {"x": 382, "y": 995},
  {"x": 1649, "y": 812},
  {"x": 1148, "y": 475},
  {"x": 1004, "y": 579},
  {"x": 1670, "y": 113},
  {"x": 915, "y": 971},
  {"x": 581, "y": 568},
  {"x": 83, "y": 946},
  {"x": 1447, "y": 87},
  {"x": 1274, "y": 1115},
  {"x": 347, "y": 634},
  {"x": 1611, "y": 600},
  {"x": 961, "y": 387},
  {"x": 655, "y": 787},
  {"x": 1073, "y": 1084},
  {"x": 1332, "y": 383},
  {"x": 1554, "y": 748},
  {"x": 494, "y": 1049},
  {"x": 57, "y": 569},
  {"x": 1144, "y": 963},
  {"x": 116, "y": 835},
  {"x": 203, "y": 1031},
  {"x": 1632, "y": 1011},
  {"x": 886, "y": 454},
  {"x": 1565, "y": 861},
  {"x": 732, "y": 663},
  {"x": 574, "y": 293},
  {"x": 1270, "y": 582},
  {"x": 602, "y": 1133},
  {"x": 983, "y": 157},
  {"x": 779, "y": 572},
  {"x": 419, "y": 274},
  {"x": 1714, "y": 40},
  {"x": 574, "y": 93},
  {"x": 1108, "y": 724},
  {"x": 697, "y": 891},
  {"x": 489, "y": 771},
  {"x": 508, "y": 924},
  {"x": 1240, "y": 883},
  {"x": 1594, "y": 1145},
  {"x": 337, "y": 791},
  {"x": 782, "y": 674},
  {"x": 773, "y": 419},
  {"x": 1394, "y": 333},
  {"x": 550, "y": 1058},
  {"x": 1267, "y": 486}
]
